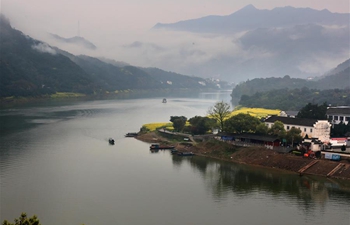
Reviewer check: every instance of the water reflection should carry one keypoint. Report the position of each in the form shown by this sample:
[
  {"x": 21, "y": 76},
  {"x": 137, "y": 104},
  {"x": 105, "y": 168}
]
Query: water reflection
[{"x": 223, "y": 179}]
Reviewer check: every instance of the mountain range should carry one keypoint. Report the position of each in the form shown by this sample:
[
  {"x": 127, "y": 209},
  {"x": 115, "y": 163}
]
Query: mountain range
[
  {"x": 249, "y": 18},
  {"x": 29, "y": 67},
  {"x": 299, "y": 42}
]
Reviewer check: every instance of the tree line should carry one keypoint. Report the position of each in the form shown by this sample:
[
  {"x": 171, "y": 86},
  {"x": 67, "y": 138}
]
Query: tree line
[
  {"x": 295, "y": 99},
  {"x": 219, "y": 117}
]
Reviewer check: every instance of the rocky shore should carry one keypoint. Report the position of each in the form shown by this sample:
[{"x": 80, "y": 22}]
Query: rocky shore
[{"x": 256, "y": 156}]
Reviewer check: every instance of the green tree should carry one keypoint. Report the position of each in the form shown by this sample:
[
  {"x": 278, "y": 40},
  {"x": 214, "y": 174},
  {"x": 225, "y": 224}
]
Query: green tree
[
  {"x": 262, "y": 129},
  {"x": 24, "y": 220},
  {"x": 339, "y": 130},
  {"x": 200, "y": 125},
  {"x": 178, "y": 122},
  {"x": 220, "y": 112},
  {"x": 278, "y": 130},
  {"x": 313, "y": 111},
  {"x": 242, "y": 123},
  {"x": 294, "y": 136}
]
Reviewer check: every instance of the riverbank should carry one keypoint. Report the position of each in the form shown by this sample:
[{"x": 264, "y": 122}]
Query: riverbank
[
  {"x": 10, "y": 102},
  {"x": 256, "y": 156}
]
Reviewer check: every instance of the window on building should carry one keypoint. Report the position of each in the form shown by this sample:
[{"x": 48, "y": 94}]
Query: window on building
[
  {"x": 287, "y": 127},
  {"x": 330, "y": 117},
  {"x": 310, "y": 130},
  {"x": 347, "y": 118},
  {"x": 304, "y": 129},
  {"x": 335, "y": 117},
  {"x": 341, "y": 118}
]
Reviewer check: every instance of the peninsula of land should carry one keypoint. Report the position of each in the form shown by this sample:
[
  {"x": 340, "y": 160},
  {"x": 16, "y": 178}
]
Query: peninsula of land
[{"x": 255, "y": 156}]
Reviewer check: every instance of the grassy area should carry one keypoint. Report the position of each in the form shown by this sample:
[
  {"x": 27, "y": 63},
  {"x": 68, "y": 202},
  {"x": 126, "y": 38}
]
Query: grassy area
[
  {"x": 66, "y": 95},
  {"x": 256, "y": 112}
]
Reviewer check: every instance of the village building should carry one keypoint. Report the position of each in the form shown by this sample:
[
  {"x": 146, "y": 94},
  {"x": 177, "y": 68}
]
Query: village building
[
  {"x": 338, "y": 114},
  {"x": 289, "y": 113},
  {"x": 313, "y": 128}
]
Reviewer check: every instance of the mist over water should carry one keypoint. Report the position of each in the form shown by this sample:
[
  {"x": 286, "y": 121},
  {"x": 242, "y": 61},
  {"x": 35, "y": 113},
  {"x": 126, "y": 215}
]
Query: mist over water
[{"x": 56, "y": 163}]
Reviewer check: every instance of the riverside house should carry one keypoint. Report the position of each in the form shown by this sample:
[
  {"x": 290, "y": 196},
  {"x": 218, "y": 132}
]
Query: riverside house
[
  {"x": 313, "y": 128},
  {"x": 338, "y": 114}
]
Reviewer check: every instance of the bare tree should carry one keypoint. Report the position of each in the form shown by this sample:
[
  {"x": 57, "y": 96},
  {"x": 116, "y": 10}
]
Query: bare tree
[{"x": 220, "y": 111}]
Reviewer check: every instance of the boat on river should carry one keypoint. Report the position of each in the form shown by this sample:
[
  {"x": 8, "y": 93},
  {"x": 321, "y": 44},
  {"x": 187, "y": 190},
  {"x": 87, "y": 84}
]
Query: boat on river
[
  {"x": 111, "y": 141},
  {"x": 131, "y": 134},
  {"x": 174, "y": 151},
  {"x": 158, "y": 146},
  {"x": 185, "y": 154}
]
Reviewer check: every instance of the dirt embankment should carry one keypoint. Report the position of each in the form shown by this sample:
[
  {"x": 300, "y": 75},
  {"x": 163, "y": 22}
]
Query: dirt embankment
[{"x": 256, "y": 156}]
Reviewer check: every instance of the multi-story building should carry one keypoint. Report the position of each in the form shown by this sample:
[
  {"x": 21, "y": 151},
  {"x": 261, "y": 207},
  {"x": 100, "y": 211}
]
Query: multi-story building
[
  {"x": 313, "y": 128},
  {"x": 338, "y": 114}
]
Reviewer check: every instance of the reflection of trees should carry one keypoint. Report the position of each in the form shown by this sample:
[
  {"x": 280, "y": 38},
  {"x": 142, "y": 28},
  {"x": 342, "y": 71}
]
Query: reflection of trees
[
  {"x": 177, "y": 161},
  {"x": 223, "y": 179}
]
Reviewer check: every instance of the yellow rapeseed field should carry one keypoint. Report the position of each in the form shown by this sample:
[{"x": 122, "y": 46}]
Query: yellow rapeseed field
[
  {"x": 154, "y": 126},
  {"x": 256, "y": 112}
]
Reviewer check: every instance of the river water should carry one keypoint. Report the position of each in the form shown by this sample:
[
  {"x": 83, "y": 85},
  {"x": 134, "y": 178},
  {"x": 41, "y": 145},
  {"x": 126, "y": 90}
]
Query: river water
[{"x": 56, "y": 163}]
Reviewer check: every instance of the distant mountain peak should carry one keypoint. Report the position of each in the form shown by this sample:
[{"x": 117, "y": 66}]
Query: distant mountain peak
[
  {"x": 77, "y": 40},
  {"x": 248, "y": 7}
]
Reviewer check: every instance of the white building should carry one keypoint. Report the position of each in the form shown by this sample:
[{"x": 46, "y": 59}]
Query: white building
[
  {"x": 289, "y": 113},
  {"x": 338, "y": 114},
  {"x": 313, "y": 128}
]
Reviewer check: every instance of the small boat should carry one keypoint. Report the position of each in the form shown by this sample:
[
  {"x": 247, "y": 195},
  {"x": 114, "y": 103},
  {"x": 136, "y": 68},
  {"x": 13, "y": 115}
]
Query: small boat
[
  {"x": 185, "y": 154},
  {"x": 131, "y": 134},
  {"x": 174, "y": 151},
  {"x": 158, "y": 146},
  {"x": 164, "y": 100},
  {"x": 111, "y": 141}
]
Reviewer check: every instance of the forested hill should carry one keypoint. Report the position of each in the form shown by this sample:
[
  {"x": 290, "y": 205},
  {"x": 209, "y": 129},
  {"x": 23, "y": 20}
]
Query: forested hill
[
  {"x": 29, "y": 67},
  {"x": 295, "y": 99},
  {"x": 338, "y": 78},
  {"x": 253, "y": 86}
]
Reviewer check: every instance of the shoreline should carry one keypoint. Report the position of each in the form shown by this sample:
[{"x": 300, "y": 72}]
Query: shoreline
[
  {"x": 12, "y": 101},
  {"x": 255, "y": 156}
]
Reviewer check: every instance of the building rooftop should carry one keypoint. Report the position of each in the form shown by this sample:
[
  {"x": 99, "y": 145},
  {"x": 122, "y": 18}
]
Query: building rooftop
[
  {"x": 345, "y": 110},
  {"x": 292, "y": 121}
]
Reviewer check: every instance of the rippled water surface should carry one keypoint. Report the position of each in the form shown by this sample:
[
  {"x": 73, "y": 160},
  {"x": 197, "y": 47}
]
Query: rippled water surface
[{"x": 56, "y": 163}]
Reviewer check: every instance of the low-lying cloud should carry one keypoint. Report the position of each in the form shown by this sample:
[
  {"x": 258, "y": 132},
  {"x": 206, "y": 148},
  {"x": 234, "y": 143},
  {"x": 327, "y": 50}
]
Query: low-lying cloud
[
  {"x": 295, "y": 51},
  {"x": 45, "y": 48}
]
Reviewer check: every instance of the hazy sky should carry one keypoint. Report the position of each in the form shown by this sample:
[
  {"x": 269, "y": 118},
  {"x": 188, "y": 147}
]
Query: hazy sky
[
  {"x": 62, "y": 16},
  {"x": 113, "y": 24}
]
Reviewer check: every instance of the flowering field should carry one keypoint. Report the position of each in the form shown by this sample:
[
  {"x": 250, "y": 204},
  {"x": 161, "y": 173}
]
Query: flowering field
[
  {"x": 256, "y": 112},
  {"x": 154, "y": 126}
]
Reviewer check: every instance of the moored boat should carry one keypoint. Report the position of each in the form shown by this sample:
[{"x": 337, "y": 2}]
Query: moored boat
[
  {"x": 131, "y": 134},
  {"x": 164, "y": 100},
  {"x": 158, "y": 146},
  {"x": 174, "y": 151},
  {"x": 185, "y": 153}
]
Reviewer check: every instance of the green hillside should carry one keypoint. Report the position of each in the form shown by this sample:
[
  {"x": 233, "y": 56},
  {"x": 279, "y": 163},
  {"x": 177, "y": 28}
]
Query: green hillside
[
  {"x": 338, "y": 78},
  {"x": 29, "y": 67}
]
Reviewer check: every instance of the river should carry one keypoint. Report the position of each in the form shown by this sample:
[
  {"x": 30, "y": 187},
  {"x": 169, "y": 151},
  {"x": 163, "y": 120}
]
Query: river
[{"x": 56, "y": 163}]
